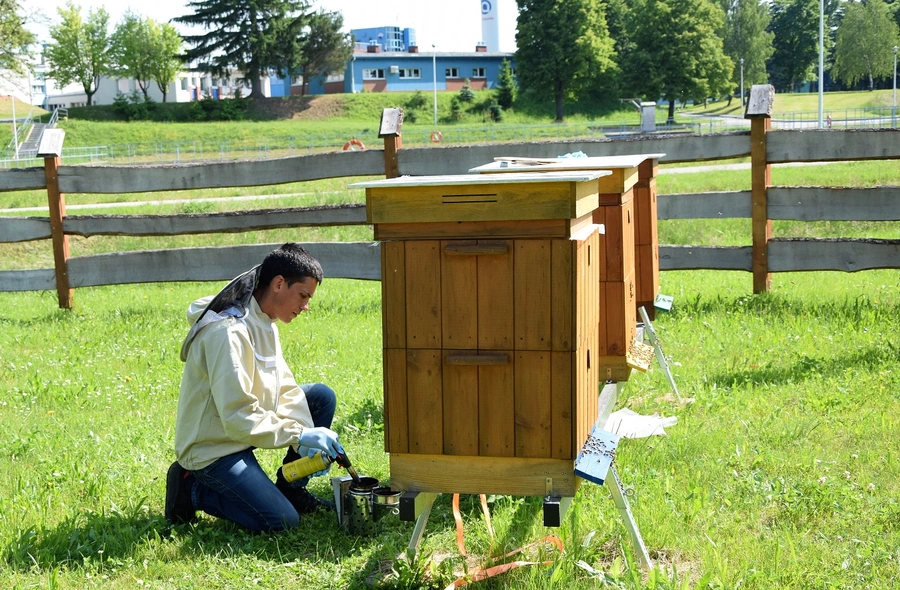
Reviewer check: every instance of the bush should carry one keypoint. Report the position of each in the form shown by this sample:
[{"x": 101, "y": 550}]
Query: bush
[
  {"x": 133, "y": 107},
  {"x": 229, "y": 109},
  {"x": 455, "y": 109},
  {"x": 496, "y": 111},
  {"x": 506, "y": 86},
  {"x": 466, "y": 94}
]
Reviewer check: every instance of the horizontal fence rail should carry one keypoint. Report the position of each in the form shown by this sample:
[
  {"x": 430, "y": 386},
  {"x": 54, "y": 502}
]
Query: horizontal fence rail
[{"x": 361, "y": 260}]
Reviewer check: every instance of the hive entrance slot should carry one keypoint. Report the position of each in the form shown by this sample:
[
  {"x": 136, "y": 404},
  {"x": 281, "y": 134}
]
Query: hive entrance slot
[{"x": 469, "y": 198}]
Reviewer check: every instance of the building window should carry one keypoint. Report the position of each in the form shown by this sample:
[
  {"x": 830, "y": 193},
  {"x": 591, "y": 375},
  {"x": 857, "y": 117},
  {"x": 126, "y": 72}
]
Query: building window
[
  {"x": 478, "y": 73},
  {"x": 410, "y": 73},
  {"x": 451, "y": 72},
  {"x": 373, "y": 74}
]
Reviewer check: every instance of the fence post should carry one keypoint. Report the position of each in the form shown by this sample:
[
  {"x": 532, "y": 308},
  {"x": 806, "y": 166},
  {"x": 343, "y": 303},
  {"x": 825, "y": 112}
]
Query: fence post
[
  {"x": 57, "y": 205},
  {"x": 391, "y": 121},
  {"x": 759, "y": 111}
]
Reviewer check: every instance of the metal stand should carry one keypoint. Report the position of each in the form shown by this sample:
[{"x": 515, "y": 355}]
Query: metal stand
[
  {"x": 650, "y": 335},
  {"x": 416, "y": 506},
  {"x": 619, "y": 497}
]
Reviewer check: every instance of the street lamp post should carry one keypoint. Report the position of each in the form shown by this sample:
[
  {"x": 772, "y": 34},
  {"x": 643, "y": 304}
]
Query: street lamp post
[
  {"x": 821, "y": 61},
  {"x": 15, "y": 131},
  {"x": 742, "y": 83},
  {"x": 894, "y": 101},
  {"x": 434, "y": 80}
]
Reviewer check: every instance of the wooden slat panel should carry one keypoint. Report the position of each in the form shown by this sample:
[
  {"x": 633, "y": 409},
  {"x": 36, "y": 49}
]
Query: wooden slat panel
[
  {"x": 42, "y": 279},
  {"x": 843, "y": 255},
  {"x": 618, "y": 183},
  {"x": 460, "y": 392},
  {"x": 24, "y": 229},
  {"x": 709, "y": 257},
  {"x": 646, "y": 212},
  {"x": 563, "y": 304},
  {"x": 132, "y": 179},
  {"x": 532, "y": 295},
  {"x": 533, "y": 410},
  {"x": 734, "y": 204},
  {"x": 538, "y": 228},
  {"x": 459, "y": 318},
  {"x": 500, "y": 202},
  {"x": 646, "y": 280},
  {"x": 839, "y": 204},
  {"x": 227, "y": 222},
  {"x": 339, "y": 260},
  {"x": 477, "y": 358},
  {"x": 423, "y": 294},
  {"x": 396, "y": 419},
  {"x": 814, "y": 145},
  {"x": 22, "y": 179},
  {"x": 617, "y": 251},
  {"x": 425, "y": 401},
  {"x": 496, "y": 410},
  {"x": 562, "y": 413},
  {"x": 620, "y": 317},
  {"x": 511, "y": 476},
  {"x": 495, "y": 301},
  {"x": 393, "y": 294}
]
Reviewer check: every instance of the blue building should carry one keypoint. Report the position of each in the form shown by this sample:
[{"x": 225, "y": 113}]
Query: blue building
[{"x": 387, "y": 59}]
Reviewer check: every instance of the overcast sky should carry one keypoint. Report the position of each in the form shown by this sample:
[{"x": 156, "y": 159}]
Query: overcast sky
[{"x": 449, "y": 25}]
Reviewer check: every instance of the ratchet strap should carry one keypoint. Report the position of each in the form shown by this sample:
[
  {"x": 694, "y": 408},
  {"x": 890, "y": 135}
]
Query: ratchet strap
[{"x": 483, "y": 574}]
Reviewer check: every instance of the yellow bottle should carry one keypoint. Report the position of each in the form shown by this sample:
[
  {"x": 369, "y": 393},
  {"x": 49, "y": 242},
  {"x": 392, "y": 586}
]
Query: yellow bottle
[{"x": 306, "y": 466}]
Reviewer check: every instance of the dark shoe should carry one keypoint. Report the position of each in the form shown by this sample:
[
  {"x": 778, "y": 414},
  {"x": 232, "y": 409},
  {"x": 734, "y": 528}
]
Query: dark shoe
[
  {"x": 179, "y": 507},
  {"x": 303, "y": 501}
]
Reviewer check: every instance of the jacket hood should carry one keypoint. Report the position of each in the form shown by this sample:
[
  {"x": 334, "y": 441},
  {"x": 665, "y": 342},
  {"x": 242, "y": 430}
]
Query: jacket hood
[{"x": 233, "y": 299}]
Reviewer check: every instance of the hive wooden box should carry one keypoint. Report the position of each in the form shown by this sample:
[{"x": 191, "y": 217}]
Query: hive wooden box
[
  {"x": 490, "y": 299},
  {"x": 629, "y": 273}
]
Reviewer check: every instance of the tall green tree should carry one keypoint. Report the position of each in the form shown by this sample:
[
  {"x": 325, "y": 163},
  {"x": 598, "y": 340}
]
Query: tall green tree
[
  {"x": 562, "y": 46},
  {"x": 14, "y": 38},
  {"x": 864, "y": 45},
  {"x": 675, "y": 51},
  {"x": 167, "y": 65},
  {"x": 506, "y": 86},
  {"x": 746, "y": 36},
  {"x": 133, "y": 49},
  {"x": 245, "y": 34},
  {"x": 80, "y": 51},
  {"x": 795, "y": 24},
  {"x": 322, "y": 48}
]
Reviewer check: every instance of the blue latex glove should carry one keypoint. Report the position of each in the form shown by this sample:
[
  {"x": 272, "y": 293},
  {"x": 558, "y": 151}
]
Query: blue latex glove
[{"x": 323, "y": 439}]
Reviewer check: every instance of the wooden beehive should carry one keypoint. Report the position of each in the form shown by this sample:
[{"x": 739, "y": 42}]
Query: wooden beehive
[
  {"x": 490, "y": 306},
  {"x": 629, "y": 271}
]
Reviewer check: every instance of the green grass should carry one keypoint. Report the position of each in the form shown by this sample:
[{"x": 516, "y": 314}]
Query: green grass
[
  {"x": 782, "y": 473},
  {"x": 805, "y": 102}
]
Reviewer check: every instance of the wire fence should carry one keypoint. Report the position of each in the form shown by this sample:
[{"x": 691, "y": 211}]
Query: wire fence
[{"x": 264, "y": 148}]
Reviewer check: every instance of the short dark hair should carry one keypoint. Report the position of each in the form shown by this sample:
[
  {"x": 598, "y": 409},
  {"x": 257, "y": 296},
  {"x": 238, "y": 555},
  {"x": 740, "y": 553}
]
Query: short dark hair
[{"x": 291, "y": 261}]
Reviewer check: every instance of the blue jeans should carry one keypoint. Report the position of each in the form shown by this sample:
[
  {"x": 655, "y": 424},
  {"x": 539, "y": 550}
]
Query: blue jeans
[{"x": 236, "y": 488}]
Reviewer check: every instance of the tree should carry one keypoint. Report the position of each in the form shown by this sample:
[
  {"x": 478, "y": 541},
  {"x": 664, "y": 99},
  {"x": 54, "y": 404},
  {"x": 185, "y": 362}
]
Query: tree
[
  {"x": 746, "y": 36},
  {"x": 14, "y": 38},
  {"x": 675, "y": 51},
  {"x": 562, "y": 46},
  {"x": 506, "y": 86},
  {"x": 249, "y": 35},
  {"x": 167, "y": 65},
  {"x": 322, "y": 48},
  {"x": 864, "y": 45},
  {"x": 81, "y": 49},
  {"x": 133, "y": 49},
  {"x": 795, "y": 24}
]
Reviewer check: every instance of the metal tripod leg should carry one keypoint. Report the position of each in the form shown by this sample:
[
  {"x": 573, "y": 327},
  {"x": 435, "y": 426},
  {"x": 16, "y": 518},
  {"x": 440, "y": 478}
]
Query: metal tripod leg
[
  {"x": 618, "y": 495},
  {"x": 660, "y": 356}
]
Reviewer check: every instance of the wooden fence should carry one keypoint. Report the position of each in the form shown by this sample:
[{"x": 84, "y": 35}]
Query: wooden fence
[{"x": 762, "y": 204}]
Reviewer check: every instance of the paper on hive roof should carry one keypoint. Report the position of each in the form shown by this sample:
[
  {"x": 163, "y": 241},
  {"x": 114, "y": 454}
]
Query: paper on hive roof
[{"x": 629, "y": 424}]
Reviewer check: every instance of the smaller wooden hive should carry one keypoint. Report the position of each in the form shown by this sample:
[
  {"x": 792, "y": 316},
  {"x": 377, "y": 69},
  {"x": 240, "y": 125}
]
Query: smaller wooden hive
[
  {"x": 629, "y": 268},
  {"x": 490, "y": 299}
]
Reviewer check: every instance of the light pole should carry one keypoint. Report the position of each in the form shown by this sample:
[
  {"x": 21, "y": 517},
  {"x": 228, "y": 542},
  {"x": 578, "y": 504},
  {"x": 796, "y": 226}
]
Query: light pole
[
  {"x": 821, "y": 60},
  {"x": 434, "y": 80},
  {"x": 742, "y": 83},
  {"x": 15, "y": 134},
  {"x": 894, "y": 102}
]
